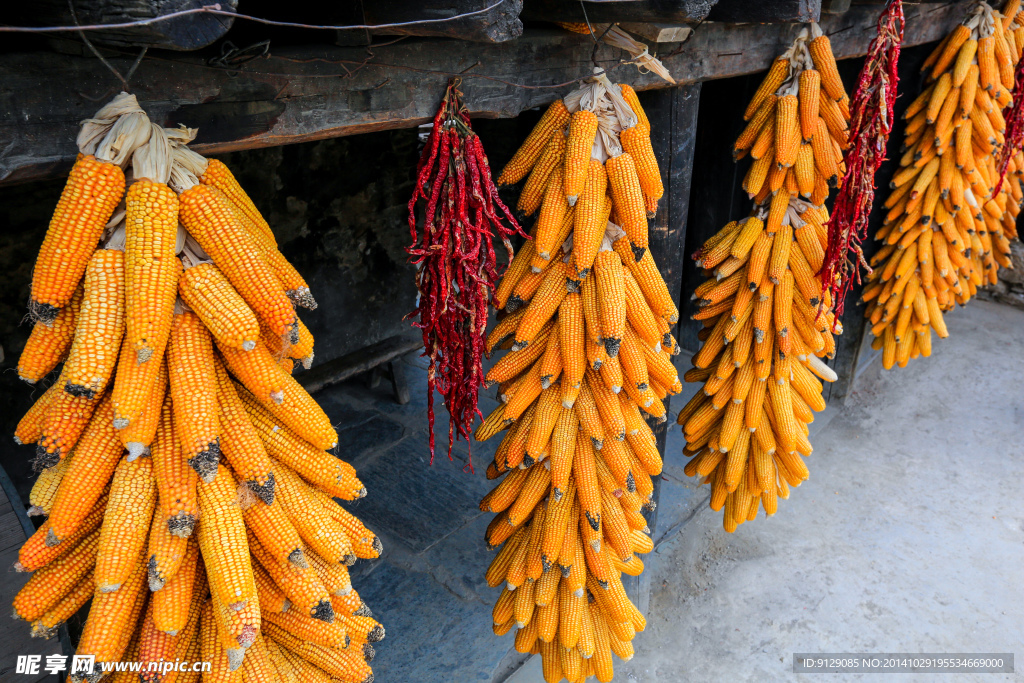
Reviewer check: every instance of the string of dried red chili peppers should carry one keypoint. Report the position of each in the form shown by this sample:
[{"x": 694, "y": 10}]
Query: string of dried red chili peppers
[
  {"x": 456, "y": 262},
  {"x": 1014, "y": 116},
  {"x": 870, "y": 125}
]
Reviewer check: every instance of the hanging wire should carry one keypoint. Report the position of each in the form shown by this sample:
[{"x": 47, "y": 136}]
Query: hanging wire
[
  {"x": 216, "y": 10},
  {"x": 88, "y": 43}
]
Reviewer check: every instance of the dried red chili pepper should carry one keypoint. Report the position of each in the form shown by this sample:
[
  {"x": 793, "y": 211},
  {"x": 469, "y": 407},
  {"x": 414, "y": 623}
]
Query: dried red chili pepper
[
  {"x": 455, "y": 259},
  {"x": 1014, "y": 116},
  {"x": 870, "y": 125}
]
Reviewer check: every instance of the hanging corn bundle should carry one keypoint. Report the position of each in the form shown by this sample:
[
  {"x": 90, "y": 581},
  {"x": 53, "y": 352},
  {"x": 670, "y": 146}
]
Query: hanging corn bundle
[
  {"x": 587, "y": 320},
  {"x": 767, "y": 315},
  {"x": 240, "y": 560},
  {"x": 946, "y": 232},
  {"x": 746, "y": 430},
  {"x": 456, "y": 263},
  {"x": 797, "y": 125},
  {"x": 1014, "y": 112},
  {"x": 873, "y": 103}
]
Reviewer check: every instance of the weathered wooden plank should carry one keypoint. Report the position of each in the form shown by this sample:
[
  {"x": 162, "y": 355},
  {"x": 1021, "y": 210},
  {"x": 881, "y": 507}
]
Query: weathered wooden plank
[
  {"x": 766, "y": 12},
  {"x": 659, "y": 32},
  {"x": 309, "y": 93},
  {"x": 690, "y": 11},
  {"x": 673, "y": 117},
  {"x": 189, "y": 32},
  {"x": 496, "y": 25},
  {"x": 350, "y": 365},
  {"x": 675, "y": 132}
]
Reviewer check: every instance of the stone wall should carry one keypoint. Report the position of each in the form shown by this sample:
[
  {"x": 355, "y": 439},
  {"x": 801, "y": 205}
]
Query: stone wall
[{"x": 1010, "y": 287}]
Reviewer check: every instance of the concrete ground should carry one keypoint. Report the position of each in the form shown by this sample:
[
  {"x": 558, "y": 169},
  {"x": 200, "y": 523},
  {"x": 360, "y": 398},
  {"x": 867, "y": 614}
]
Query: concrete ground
[{"x": 908, "y": 537}]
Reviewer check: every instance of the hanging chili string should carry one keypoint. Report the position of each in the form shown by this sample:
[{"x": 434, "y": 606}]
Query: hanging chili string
[
  {"x": 456, "y": 269},
  {"x": 870, "y": 125},
  {"x": 1014, "y": 116}
]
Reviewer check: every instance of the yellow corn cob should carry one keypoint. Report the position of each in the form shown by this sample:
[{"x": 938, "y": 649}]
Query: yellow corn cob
[
  {"x": 534, "y": 489},
  {"x": 49, "y": 344},
  {"x": 100, "y": 327},
  {"x": 44, "y": 491},
  {"x": 40, "y": 549},
  {"x": 211, "y": 222},
  {"x": 777, "y": 74},
  {"x": 543, "y": 306},
  {"x": 55, "y": 581},
  {"x": 365, "y": 543},
  {"x": 112, "y": 617},
  {"x": 633, "y": 101},
  {"x": 257, "y": 370},
  {"x": 206, "y": 290},
  {"x": 139, "y": 433},
  {"x": 222, "y": 541},
  {"x": 636, "y": 142},
  {"x": 294, "y": 285},
  {"x": 175, "y": 479},
  {"x": 239, "y": 442},
  {"x": 155, "y": 647},
  {"x": 319, "y": 532},
  {"x": 212, "y": 648},
  {"x": 219, "y": 176},
  {"x": 516, "y": 271},
  {"x": 174, "y": 602},
  {"x": 591, "y": 219},
  {"x": 315, "y": 466},
  {"x": 988, "y": 70},
  {"x": 809, "y": 87},
  {"x": 627, "y": 196},
  {"x": 548, "y": 408},
  {"x": 30, "y": 427},
  {"x": 536, "y": 185},
  {"x": 46, "y": 625},
  {"x": 257, "y": 667},
  {"x": 824, "y": 155},
  {"x": 611, "y": 296},
  {"x": 97, "y": 454},
  {"x": 300, "y": 412},
  {"x": 649, "y": 278},
  {"x": 151, "y": 269},
  {"x": 278, "y": 537},
  {"x": 821, "y": 52},
  {"x": 554, "y": 119},
  {"x": 126, "y": 523},
  {"x": 92, "y": 192},
  {"x": 552, "y": 216},
  {"x": 308, "y": 629},
  {"x": 582, "y": 131},
  {"x": 754, "y": 129},
  {"x": 193, "y": 380},
  {"x": 787, "y": 130},
  {"x": 346, "y": 665}
]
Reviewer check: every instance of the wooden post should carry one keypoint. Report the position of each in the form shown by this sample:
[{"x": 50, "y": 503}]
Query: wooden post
[{"x": 673, "y": 117}]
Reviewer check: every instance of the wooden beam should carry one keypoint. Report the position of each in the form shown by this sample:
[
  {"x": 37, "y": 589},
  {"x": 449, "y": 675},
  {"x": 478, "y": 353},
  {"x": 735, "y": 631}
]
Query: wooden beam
[
  {"x": 352, "y": 364},
  {"x": 690, "y": 11},
  {"x": 494, "y": 26},
  {"x": 766, "y": 11},
  {"x": 659, "y": 32},
  {"x": 673, "y": 117},
  {"x": 308, "y": 93},
  {"x": 190, "y": 32}
]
